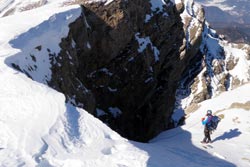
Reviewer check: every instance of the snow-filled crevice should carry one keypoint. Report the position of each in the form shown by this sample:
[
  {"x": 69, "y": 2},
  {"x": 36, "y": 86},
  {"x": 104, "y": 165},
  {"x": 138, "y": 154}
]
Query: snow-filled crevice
[
  {"x": 214, "y": 53},
  {"x": 72, "y": 123},
  {"x": 184, "y": 93}
]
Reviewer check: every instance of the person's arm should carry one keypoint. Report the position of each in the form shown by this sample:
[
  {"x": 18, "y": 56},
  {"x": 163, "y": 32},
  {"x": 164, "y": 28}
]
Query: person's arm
[{"x": 204, "y": 121}]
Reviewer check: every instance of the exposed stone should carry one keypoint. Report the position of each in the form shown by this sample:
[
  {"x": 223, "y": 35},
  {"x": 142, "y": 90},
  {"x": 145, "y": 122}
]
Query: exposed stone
[
  {"x": 231, "y": 63},
  {"x": 104, "y": 64},
  {"x": 235, "y": 82}
]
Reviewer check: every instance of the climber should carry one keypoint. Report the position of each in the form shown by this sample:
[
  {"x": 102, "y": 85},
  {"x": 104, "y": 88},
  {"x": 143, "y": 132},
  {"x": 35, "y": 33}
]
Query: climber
[{"x": 206, "y": 121}]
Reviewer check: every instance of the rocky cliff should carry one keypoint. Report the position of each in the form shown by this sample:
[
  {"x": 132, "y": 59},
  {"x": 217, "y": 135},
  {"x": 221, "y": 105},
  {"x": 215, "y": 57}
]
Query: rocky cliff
[
  {"x": 219, "y": 66},
  {"x": 122, "y": 62}
]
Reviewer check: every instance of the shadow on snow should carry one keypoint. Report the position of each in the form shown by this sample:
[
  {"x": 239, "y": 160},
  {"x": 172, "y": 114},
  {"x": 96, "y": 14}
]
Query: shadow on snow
[{"x": 229, "y": 135}]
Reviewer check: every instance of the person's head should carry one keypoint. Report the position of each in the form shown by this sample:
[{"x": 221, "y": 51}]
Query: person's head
[{"x": 209, "y": 112}]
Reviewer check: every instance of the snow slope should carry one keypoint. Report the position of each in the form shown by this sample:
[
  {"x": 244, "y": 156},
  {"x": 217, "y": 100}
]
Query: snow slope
[{"x": 37, "y": 127}]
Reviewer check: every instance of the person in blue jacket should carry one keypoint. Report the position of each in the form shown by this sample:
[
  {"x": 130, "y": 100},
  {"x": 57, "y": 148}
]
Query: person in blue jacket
[{"x": 206, "y": 122}]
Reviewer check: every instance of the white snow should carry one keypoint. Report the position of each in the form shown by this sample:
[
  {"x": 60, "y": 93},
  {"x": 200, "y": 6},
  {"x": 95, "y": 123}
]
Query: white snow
[
  {"x": 144, "y": 42},
  {"x": 148, "y": 17},
  {"x": 37, "y": 127},
  {"x": 156, "y": 7}
]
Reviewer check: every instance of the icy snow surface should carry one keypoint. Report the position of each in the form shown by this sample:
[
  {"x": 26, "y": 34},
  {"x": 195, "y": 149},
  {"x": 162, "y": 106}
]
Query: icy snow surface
[{"x": 37, "y": 127}]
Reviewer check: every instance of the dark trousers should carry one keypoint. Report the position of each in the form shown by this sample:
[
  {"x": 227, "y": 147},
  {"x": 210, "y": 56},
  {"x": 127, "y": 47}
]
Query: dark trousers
[{"x": 207, "y": 137}]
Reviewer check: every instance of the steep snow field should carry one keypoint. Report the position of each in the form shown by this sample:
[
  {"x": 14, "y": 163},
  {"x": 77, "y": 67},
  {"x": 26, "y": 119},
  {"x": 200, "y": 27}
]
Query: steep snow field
[{"x": 37, "y": 127}]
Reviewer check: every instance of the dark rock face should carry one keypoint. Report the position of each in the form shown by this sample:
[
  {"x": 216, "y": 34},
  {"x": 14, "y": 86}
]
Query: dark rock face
[{"x": 125, "y": 56}]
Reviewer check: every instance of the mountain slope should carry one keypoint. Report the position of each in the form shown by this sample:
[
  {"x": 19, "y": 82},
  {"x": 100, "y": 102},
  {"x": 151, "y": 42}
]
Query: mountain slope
[
  {"x": 230, "y": 18},
  {"x": 229, "y": 140},
  {"x": 38, "y": 128},
  {"x": 231, "y": 11}
]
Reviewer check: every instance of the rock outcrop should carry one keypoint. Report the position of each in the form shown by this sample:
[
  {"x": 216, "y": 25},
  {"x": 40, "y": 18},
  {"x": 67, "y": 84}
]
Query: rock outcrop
[
  {"x": 122, "y": 62},
  {"x": 219, "y": 66}
]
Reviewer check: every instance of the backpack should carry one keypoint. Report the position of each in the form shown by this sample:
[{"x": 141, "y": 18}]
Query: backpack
[{"x": 213, "y": 123}]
